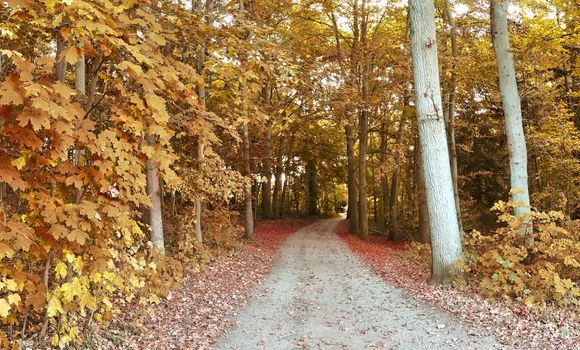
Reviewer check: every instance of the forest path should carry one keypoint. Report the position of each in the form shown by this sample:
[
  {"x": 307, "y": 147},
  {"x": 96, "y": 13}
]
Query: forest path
[{"x": 319, "y": 295}]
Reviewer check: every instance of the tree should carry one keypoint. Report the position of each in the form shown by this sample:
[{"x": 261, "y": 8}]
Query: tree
[
  {"x": 363, "y": 215},
  {"x": 512, "y": 110},
  {"x": 445, "y": 238}
]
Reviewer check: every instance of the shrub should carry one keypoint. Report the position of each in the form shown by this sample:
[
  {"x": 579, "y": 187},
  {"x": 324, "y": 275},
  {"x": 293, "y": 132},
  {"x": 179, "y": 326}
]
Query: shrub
[{"x": 538, "y": 268}]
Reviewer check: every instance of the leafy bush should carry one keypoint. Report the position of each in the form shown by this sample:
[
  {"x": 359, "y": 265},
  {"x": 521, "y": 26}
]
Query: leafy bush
[{"x": 537, "y": 268}]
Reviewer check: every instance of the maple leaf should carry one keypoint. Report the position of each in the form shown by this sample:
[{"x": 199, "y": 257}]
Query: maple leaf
[
  {"x": 37, "y": 119},
  {"x": 71, "y": 54},
  {"x": 54, "y": 307},
  {"x": 4, "y": 307},
  {"x": 24, "y": 136},
  {"x": 63, "y": 90},
  {"x": 77, "y": 235},
  {"x": 61, "y": 270},
  {"x": 6, "y": 250},
  {"x": 18, "y": 163},
  {"x": 21, "y": 233},
  {"x": 11, "y": 92},
  {"x": 14, "y": 299},
  {"x": 58, "y": 231},
  {"x": 36, "y": 300}
]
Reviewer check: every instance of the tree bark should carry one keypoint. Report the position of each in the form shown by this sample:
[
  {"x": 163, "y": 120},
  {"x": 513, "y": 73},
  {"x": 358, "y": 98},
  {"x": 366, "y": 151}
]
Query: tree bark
[
  {"x": 383, "y": 207},
  {"x": 450, "y": 113},
  {"x": 352, "y": 209},
  {"x": 363, "y": 135},
  {"x": 154, "y": 192},
  {"x": 424, "y": 230},
  {"x": 267, "y": 185},
  {"x": 445, "y": 238},
  {"x": 512, "y": 113},
  {"x": 393, "y": 226},
  {"x": 312, "y": 182},
  {"x": 276, "y": 205},
  {"x": 61, "y": 63},
  {"x": 249, "y": 224}
]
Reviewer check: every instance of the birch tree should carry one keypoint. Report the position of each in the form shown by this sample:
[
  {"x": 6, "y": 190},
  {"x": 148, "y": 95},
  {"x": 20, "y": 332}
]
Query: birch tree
[{"x": 445, "y": 238}]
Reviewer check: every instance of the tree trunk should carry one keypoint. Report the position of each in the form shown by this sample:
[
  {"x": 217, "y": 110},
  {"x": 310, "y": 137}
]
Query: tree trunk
[
  {"x": 445, "y": 238},
  {"x": 393, "y": 226},
  {"x": 198, "y": 203},
  {"x": 285, "y": 200},
  {"x": 512, "y": 113},
  {"x": 312, "y": 182},
  {"x": 450, "y": 113},
  {"x": 154, "y": 192},
  {"x": 424, "y": 230},
  {"x": 363, "y": 135},
  {"x": 249, "y": 224},
  {"x": 267, "y": 185},
  {"x": 204, "y": 11},
  {"x": 352, "y": 209},
  {"x": 383, "y": 207},
  {"x": 60, "y": 64},
  {"x": 277, "y": 188}
]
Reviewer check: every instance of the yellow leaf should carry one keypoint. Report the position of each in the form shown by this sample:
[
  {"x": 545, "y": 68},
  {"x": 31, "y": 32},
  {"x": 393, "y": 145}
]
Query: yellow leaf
[
  {"x": 71, "y": 54},
  {"x": 61, "y": 270},
  {"x": 63, "y": 90},
  {"x": 14, "y": 299},
  {"x": 107, "y": 302},
  {"x": 87, "y": 301},
  {"x": 19, "y": 162},
  {"x": 4, "y": 308},
  {"x": 54, "y": 307},
  {"x": 54, "y": 340},
  {"x": 11, "y": 285}
]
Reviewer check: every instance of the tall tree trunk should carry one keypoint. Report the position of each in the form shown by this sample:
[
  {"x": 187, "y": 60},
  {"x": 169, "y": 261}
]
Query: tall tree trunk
[
  {"x": 201, "y": 92},
  {"x": 61, "y": 62},
  {"x": 445, "y": 238},
  {"x": 249, "y": 224},
  {"x": 424, "y": 229},
  {"x": 352, "y": 209},
  {"x": 267, "y": 185},
  {"x": 450, "y": 112},
  {"x": 393, "y": 226},
  {"x": 154, "y": 192},
  {"x": 312, "y": 182},
  {"x": 363, "y": 135},
  {"x": 373, "y": 184},
  {"x": 383, "y": 207},
  {"x": 249, "y": 214},
  {"x": 204, "y": 12},
  {"x": 285, "y": 200},
  {"x": 512, "y": 112},
  {"x": 277, "y": 188}
]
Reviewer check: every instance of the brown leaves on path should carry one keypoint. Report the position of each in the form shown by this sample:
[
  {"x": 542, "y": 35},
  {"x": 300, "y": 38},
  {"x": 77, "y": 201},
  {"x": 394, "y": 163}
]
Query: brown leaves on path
[
  {"x": 514, "y": 326},
  {"x": 198, "y": 313}
]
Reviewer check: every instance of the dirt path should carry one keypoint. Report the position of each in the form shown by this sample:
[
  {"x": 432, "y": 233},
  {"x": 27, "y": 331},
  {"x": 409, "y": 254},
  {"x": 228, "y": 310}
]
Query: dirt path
[{"x": 319, "y": 295}]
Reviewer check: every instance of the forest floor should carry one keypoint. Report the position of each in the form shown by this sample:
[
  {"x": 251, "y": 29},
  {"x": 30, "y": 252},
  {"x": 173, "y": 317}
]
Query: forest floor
[
  {"x": 200, "y": 311},
  {"x": 320, "y": 295},
  {"x": 300, "y": 286}
]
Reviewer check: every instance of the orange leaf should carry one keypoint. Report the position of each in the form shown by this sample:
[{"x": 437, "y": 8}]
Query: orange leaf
[{"x": 11, "y": 92}]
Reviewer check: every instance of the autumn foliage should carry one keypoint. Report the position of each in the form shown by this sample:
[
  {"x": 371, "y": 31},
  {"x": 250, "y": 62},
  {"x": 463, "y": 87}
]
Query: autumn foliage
[{"x": 73, "y": 160}]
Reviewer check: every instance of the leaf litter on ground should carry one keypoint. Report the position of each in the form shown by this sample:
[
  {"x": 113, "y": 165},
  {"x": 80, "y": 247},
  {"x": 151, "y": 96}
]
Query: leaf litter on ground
[{"x": 511, "y": 322}]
